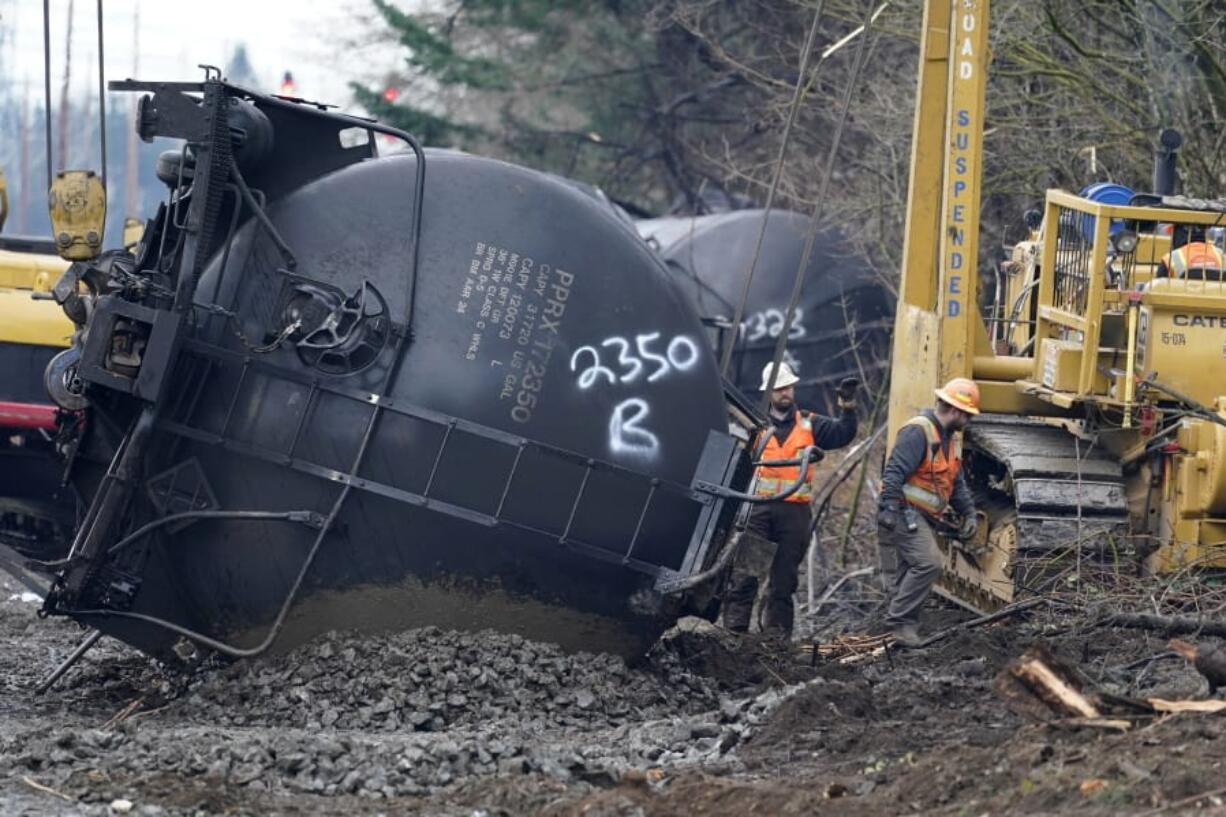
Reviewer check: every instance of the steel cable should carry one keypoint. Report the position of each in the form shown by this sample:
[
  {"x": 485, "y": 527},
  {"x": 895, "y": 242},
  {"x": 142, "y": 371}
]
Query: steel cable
[
  {"x": 818, "y": 208},
  {"x": 793, "y": 109}
]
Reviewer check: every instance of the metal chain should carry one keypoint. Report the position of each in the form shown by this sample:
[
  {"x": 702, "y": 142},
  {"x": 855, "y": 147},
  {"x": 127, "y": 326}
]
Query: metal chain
[{"x": 232, "y": 321}]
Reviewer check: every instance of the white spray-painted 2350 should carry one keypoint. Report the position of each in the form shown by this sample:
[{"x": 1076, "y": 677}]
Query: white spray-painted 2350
[
  {"x": 643, "y": 361},
  {"x": 680, "y": 355}
]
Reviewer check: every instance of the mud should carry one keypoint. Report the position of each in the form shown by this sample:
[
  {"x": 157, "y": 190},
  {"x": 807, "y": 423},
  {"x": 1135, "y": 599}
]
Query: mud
[{"x": 438, "y": 722}]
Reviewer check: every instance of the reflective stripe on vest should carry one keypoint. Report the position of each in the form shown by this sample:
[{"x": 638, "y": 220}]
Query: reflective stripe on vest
[
  {"x": 1197, "y": 255},
  {"x": 931, "y": 485},
  {"x": 774, "y": 480}
]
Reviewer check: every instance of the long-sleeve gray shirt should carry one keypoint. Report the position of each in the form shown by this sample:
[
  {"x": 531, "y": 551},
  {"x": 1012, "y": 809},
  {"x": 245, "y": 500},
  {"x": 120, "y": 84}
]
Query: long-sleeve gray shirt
[{"x": 910, "y": 451}]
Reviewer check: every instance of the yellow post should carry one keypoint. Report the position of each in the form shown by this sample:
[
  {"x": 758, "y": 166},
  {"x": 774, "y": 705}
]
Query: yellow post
[
  {"x": 1047, "y": 276},
  {"x": 1130, "y": 370},
  {"x": 968, "y": 63},
  {"x": 1093, "y": 313},
  {"x": 916, "y": 357}
]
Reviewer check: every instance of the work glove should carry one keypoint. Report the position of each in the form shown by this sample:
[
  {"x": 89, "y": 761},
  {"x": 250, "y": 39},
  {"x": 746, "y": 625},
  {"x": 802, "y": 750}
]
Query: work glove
[
  {"x": 847, "y": 390},
  {"x": 970, "y": 524},
  {"x": 888, "y": 517}
]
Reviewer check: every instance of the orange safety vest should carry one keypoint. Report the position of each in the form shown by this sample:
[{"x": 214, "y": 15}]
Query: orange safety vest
[
  {"x": 1195, "y": 255},
  {"x": 932, "y": 484},
  {"x": 778, "y": 478}
]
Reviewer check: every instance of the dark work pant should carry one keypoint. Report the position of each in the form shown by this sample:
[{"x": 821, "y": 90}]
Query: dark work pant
[
  {"x": 918, "y": 568},
  {"x": 787, "y": 525}
]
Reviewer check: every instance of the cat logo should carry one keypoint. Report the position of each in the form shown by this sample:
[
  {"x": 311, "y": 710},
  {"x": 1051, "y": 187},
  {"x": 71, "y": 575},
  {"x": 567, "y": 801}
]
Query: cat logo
[{"x": 1210, "y": 321}]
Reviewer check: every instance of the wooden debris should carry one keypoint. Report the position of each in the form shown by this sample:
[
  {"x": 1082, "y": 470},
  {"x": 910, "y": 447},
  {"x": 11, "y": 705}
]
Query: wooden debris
[
  {"x": 851, "y": 649},
  {"x": 1165, "y": 624},
  {"x": 1056, "y": 691},
  {"x": 123, "y": 714},
  {"x": 1205, "y": 707},
  {"x": 34, "y": 784},
  {"x": 1004, "y": 612},
  {"x": 1125, "y": 706},
  {"x": 834, "y": 588},
  {"x": 1210, "y": 795},
  {"x": 1109, "y": 724},
  {"x": 1038, "y": 686},
  {"x": 859, "y": 658}
]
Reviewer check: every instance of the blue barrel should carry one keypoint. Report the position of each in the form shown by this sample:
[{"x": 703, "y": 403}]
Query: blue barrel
[{"x": 1104, "y": 193}]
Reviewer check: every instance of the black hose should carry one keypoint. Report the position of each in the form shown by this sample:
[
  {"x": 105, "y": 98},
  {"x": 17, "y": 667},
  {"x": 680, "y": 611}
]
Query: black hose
[
  {"x": 692, "y": 581},
  {"x": 287, "y": 255},
  {"x": 309, "y": 518},
  {"x": 1197, "y": 407}
]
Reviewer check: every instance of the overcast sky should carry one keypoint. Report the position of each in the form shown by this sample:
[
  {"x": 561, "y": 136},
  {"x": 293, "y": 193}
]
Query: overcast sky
[{"x": 318, "y": 41}]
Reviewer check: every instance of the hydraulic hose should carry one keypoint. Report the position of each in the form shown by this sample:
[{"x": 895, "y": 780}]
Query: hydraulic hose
[
  {"x": 1197, "y": 408},
  {"x": 309, "y": 518},
  {"x": 810, "y": 455},
  {"x": 692, "y": 581}
]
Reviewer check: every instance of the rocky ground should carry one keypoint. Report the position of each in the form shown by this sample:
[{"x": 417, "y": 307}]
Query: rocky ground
[{"x": 446, "y": 723}]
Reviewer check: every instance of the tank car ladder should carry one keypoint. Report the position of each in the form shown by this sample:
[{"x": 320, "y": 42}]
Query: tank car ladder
[{"x": 717, "y": 465}]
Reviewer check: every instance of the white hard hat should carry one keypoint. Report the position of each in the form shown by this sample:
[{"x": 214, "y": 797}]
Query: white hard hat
[{"x": 786, "y": 377}]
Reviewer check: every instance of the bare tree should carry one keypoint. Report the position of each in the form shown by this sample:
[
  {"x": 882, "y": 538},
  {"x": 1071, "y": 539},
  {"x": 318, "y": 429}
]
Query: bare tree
[{"x": 659, "y": 101}]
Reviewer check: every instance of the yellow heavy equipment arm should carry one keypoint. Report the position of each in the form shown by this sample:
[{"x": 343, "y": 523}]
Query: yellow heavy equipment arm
[
  {"x": 938, "y": 328},
  {"x": 1103, "y": 438}
]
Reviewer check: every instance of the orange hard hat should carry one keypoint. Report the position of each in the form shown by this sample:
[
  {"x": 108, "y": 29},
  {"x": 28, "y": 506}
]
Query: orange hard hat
[{"x": 960, "y": 393}]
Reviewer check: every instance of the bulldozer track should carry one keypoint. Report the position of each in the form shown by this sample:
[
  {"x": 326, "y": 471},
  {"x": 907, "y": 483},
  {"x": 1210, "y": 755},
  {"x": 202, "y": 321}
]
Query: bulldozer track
[{"x": 1055, "y": 503}]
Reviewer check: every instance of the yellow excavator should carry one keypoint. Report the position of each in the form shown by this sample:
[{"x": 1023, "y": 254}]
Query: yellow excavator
[
  {"x": 33, "y": 503},
  {"x": 1101, "y": 363},
  {"x": 28, "y": 265}
]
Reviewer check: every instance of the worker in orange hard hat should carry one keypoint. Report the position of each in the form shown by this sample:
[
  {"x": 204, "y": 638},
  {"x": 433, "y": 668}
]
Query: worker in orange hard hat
[
  {"x": 1192, "y": 256},
  {"x": 920, "y": 487}
]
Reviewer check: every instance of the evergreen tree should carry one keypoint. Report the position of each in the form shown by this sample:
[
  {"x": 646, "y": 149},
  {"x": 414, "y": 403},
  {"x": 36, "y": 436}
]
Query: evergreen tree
[
  {"x": 239, "y": 70},
  {"x": 554, "y": 85}
]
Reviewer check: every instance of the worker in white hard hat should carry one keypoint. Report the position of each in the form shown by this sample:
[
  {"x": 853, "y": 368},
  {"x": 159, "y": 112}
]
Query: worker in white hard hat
[{"x": 785, "y": 523}]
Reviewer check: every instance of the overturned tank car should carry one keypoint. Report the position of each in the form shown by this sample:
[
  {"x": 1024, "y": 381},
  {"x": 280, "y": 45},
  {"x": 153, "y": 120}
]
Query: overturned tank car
[
  {"x": 333, "y": 389},
  {"x": 842, "y": 322}
]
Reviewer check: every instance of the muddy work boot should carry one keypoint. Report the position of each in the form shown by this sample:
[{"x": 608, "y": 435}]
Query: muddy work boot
[{"x": 906, "y": 635}]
